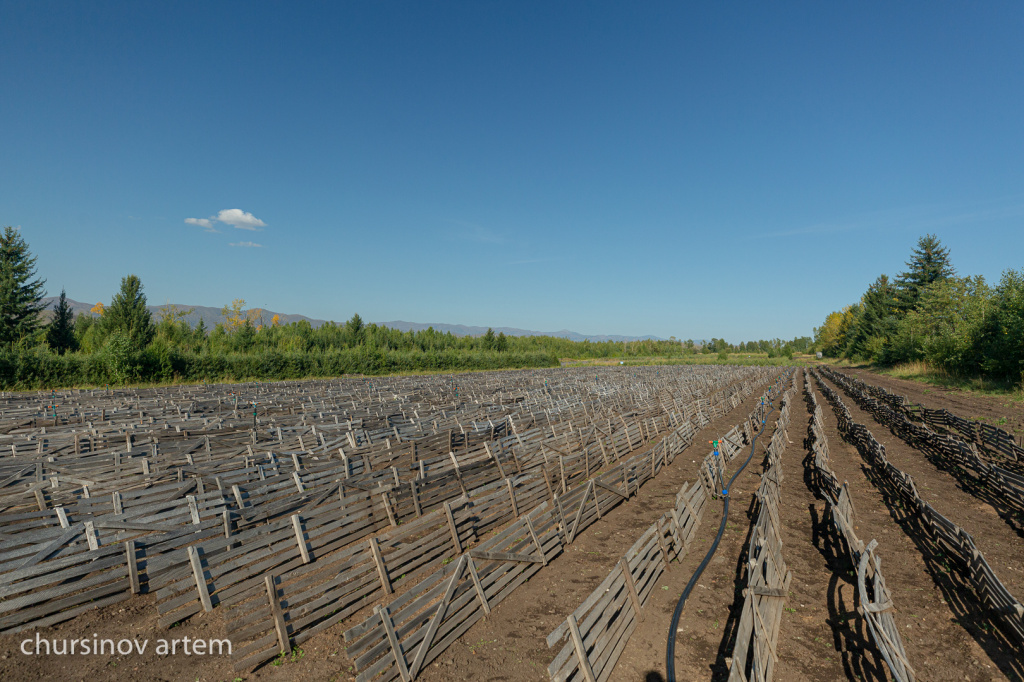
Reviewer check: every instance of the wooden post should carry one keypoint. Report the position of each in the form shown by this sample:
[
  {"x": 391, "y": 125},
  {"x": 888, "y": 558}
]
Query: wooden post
[
  {"x": 300, "y": 538},
  {"x": 387, "y": 508},
  {"x": 512, "y": 496},
  {"x": 415, "y": 497},
  {"x": 275, "y": 610},
  {"x": 197, "y": 573},
  {"x": 452, "y": 527},
  {"x": 396, "y": 646},
  {"x": 382, "y": 571},
  {"x": 133, "y": 567},
  {"x": 581, "y": 650},
  {"x": 631, "y": 588},
  {"x": 478, "y": 586}
]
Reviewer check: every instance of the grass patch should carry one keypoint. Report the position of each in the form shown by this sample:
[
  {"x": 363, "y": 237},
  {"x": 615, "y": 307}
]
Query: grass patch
[
  {"x": 922, "y": 372},
  {"x": 755, "y": 359}
]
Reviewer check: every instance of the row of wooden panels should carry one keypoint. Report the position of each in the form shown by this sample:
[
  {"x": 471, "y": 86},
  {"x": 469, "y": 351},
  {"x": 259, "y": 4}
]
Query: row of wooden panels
[
  {"x": 1006, "y": 609},
  {"x": 376, "y": 653},
  {"x": 148, "y": 566}
]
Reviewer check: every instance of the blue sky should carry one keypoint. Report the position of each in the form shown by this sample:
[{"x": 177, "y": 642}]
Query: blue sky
[{"x": 633, "y": 168}]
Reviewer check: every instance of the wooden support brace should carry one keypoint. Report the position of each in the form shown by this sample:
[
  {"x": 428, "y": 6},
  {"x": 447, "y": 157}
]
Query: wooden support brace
[
  {"x": 382, "y": 571},
  {"x": 659, "y": 533},
  {"x": 300, "y": 538},
  {"x": 193, "y": 509},
  {"x": 631, "y": 588},
  {"x": 238, "y": 496},
  {"x": 512, "y": 496},
  {"x": 561, "y": 516},
  {"x": 133, "y": 567},
  {"x": 387, "y": 508},
  {"x": 478, "y": 586},
  {"x": 536, "y": 540},
  {"x": 439, "y": 614},
  {"x": 501, "y": 469},
  {"x": 200, "y": 578},
  {"x": 581, "y": 651},
  {"x": 90, "y": 535},
  {"x": 275, "y": 610},
  {"x": 452, "y": 527},
  {"x": 415, "y": 497}
]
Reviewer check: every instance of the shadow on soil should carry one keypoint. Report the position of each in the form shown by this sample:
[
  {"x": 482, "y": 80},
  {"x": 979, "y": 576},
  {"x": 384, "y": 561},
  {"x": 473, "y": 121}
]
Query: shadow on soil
[
  {"x": 861, "y": 659},
  {"x": 977, "y": 620}
]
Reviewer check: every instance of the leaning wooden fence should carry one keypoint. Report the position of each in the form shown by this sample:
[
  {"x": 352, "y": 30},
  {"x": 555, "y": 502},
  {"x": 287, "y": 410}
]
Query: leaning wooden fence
[
  {"x": 874, "y": 598},
  {"x": 385, "y": 649},
  {"x": 955, "y": 542},
  {"x": 595, "y": 634},
  {"x": 754, "y": 653}
]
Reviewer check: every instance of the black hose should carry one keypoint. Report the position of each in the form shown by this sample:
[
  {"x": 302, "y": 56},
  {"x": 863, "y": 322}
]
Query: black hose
[{"x": 670, "y": 653}]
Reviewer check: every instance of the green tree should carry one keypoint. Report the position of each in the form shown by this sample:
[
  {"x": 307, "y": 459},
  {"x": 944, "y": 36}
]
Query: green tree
[
  {"x": 61, "y": 332},
  {"x": 1004, "y": 356},
  {"x": 488, "y": 340},
  {"x": 128, "y": 314},
  {"x": 876, "y": 321},
  {"x": 501, "y": 344},
  {"x": 355, "y": 327},
  {"x": 929, "y": 262},
  {"x": 21, "y": 296}
]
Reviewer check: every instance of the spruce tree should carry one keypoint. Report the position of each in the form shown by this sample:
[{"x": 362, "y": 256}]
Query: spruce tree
[
  {"x": 21, "y": 296},
  {"x": 929, "y": 262},
  {"x": 128, "y": 314},
  {"x": 61, "y": 332}
]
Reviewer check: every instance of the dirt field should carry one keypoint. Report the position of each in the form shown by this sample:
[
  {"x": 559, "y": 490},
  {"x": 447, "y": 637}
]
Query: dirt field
[
  {"x": 986, "y": 408},
  {"x": 933, "y": 608},
  {"x": 822, "y": 637}
]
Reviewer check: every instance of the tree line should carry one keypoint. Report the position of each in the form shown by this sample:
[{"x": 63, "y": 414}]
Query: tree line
[
  {"x": 961, "y": 325},
  {"x": 121, "y": 342}
]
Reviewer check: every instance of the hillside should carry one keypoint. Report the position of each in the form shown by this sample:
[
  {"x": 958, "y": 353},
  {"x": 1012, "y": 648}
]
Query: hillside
[{"x": 212, "y": 316}]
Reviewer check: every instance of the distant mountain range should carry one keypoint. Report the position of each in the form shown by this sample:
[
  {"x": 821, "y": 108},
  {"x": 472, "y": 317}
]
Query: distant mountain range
[{"x": 213, "y": 316}]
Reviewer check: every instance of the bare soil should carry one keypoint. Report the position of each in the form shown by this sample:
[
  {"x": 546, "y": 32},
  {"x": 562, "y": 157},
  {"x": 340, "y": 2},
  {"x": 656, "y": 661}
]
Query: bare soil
[
  {"x": 1003, "y": 411},
  {"x": 947, "y": 636}
]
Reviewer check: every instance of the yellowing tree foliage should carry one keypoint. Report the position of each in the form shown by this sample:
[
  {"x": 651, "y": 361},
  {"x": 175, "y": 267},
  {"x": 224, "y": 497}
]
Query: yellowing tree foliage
[
  {"x": 173, "y": 314},
  {"x": 98, "y": 308},
  {"x": 234, "y": 314},
  {"x": 831, "y": 336},
  {"x": 255, "y": 317}
]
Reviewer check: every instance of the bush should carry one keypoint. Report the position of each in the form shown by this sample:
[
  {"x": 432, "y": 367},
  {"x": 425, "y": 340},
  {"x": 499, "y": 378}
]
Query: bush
[{"x": 118, "y": 363}]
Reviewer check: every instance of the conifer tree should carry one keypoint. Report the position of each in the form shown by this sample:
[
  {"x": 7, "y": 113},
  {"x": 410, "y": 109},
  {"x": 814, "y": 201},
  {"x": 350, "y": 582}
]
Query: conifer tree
[
  {"x": 128, "y": 314},
  {"x": 61, "y": 332},
  {"x": 929, "y": 262},
  {"x": 21, "y": 296}
]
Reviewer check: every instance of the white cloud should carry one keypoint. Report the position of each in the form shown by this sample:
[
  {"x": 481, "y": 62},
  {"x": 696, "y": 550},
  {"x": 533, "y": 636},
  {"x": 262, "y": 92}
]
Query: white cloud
[
  {"x": 204, "y": 223},
  {"x": 236, "y": 217},
  {"x": 248, "y": 245}
]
